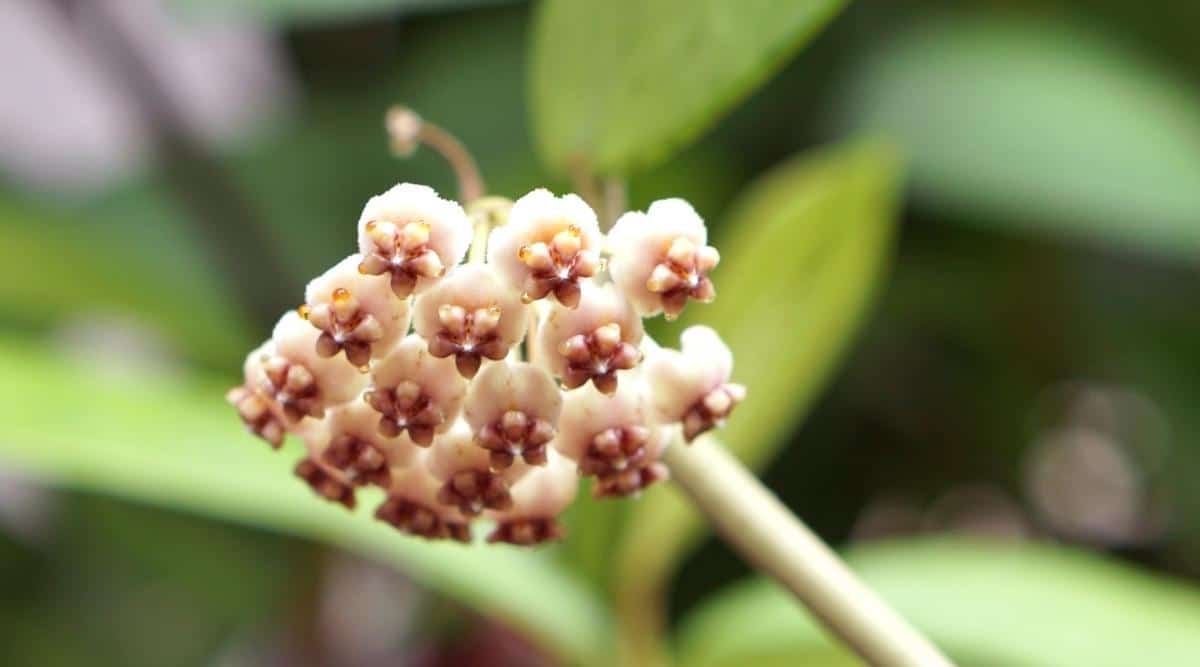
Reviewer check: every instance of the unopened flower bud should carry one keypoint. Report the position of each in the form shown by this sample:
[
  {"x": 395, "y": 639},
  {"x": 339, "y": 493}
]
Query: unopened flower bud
[
  {"x": 463, "y": 468},
  {"x": 415, "y": 392},
  {"x": 611, "y": 438},
  {"x": 593, "y": 341},
  {"x": 301, "y": 381},
  {"x": 356, "y": 314},
  {"x": 692, "y": 386},
  {"x": 258, "y": 411},
  {"x": 547, "y": 247},
  {"x": 660, "y": 258},
  {"x": 471, "y": 316},
  {"x": 353, "y": 446},
  {"x": 537, "y": 500},
  {"x": 513, "y": 409},
  {"x": 412, "y": 235},
  {"x": 404, "y": 130},
  {"x": 412, "y": 507}
]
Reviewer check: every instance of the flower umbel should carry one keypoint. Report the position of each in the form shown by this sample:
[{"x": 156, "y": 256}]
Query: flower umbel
[{"x": 525, "y": 368}]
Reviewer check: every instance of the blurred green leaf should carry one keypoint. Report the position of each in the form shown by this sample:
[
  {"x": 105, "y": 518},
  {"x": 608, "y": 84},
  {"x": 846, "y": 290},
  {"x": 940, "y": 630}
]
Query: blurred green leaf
[
  {"x": 807, "y": 244},
  {"x": 985, "y": 603},
  {"x": 173, "y": 442},
  {"x": 55, "y": 265},
  {"x": 622, "y": 84},
  {"x": 312, "y": 11},
  {"x": 1037, "y": 125}
]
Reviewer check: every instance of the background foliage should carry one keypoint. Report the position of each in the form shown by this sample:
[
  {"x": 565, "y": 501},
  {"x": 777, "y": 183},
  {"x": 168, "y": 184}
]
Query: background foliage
[{"x": 959, "y": 246}]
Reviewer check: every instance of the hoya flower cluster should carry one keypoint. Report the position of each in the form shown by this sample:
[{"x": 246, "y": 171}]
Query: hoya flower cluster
[{"x": 487, "y": 388}]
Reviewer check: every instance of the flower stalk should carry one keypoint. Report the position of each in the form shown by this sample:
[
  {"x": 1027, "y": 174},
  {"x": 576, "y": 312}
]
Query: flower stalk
[
  {"x": 775, "y": 542},
  {"x": 407, "y": 130}
]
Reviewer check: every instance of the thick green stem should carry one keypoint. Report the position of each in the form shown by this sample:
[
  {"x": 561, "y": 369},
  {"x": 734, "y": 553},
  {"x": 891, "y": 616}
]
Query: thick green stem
[{"x": 762, "y": 529}]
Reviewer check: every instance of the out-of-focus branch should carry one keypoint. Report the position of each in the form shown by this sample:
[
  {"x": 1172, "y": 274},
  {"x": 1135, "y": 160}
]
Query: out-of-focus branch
[{"x": 224, "y": 216}]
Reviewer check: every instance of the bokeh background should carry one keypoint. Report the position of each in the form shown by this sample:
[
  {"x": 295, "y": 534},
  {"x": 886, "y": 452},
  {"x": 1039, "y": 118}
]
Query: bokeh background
[{"x": 1029, "y": 369}]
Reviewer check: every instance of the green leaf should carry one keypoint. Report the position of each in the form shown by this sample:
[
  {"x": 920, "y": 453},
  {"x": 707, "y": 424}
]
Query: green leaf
[
  {"x": 985, "y": 603},
  {"x": 312, "y": 11},
  {"x": 173, "y": 442},
  {"x": 1039, "y": 126},
  {"x": 808, "y": 242},
  {"x": 59, "y": 265},
  {"x": 622, "y": 84}
]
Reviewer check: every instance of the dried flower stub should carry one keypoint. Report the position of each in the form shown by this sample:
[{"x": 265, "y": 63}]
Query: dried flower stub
[{"x": 524, "y": 369}]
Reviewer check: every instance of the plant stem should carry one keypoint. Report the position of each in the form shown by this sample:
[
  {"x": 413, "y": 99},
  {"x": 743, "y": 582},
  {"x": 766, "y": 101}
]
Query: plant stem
[
  {"x": 407, "y": 129},
  {"x": 486, "y": 214},
  {"x": 762, "y": 529},
  {"x": 615, "y": 195},
  {"x": 586, "y": 185}
]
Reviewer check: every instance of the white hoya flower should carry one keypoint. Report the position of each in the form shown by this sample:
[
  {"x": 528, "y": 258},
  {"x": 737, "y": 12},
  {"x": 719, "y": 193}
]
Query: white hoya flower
[
  {"x": 261, "y": 415},
  {"x": 612, "y": 438},
  {"x": 463, "y": 468},
  {"x": 415, "y": 392},
  {"x": 356, "y": 313},
  {"x": 548, "y": 245},
  {"x": 353, "y": 445},
  {"x": 537, "y": 501},
  {"x": 412, "y": 506},
  {"x": 592, "y": 341},
  {"x": 301, "y": 381},
  {"x": 660, "y": 258},
  {"x": 325, "y": 480},
  {"x": 470, "y": 315},
  {"x": 692, "y": 386},
  {"x": 412, "y": 235},
  {"x": 512, "y": 408}
]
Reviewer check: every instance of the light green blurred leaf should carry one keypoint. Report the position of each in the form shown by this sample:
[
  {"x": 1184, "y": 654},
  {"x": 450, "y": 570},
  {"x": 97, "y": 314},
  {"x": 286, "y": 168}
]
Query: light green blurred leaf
[
  {"x": 1037, "y": 125},
  {"x": 622, "y": 84},
  {"x": 806, "y": 246},
  {"x": 311, "y": 11},
  {"x": 173, "y": 442},
  {"x": 55, "y": 266},
  {"x": 985, "y": 603}
]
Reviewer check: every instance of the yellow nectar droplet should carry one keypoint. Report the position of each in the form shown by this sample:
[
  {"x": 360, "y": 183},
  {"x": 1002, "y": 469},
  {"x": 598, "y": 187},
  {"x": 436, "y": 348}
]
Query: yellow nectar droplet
[
  {"x": 574, "y": 230},
  {"x": 364, "y": 368},
  {"x": 371, "y": 225},
  {"x": 341, "y": 295},
  {"x": 526, "y": 298},
  {"x": 303, "y": 311},
  {"x": 524, "y": 252}
]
